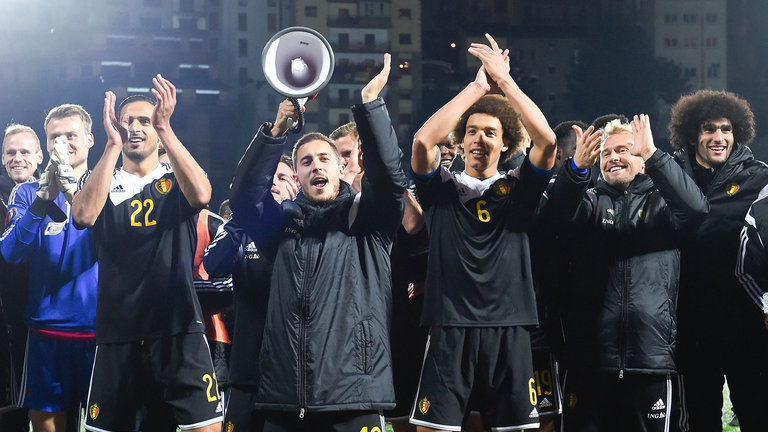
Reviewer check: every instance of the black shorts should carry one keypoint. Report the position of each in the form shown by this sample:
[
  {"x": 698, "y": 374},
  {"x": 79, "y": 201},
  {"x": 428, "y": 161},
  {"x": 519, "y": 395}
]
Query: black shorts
[
  {"x": 546, "y": 377},
  {"x": 636, "y": 402},
  {"x": 335, "y": 421},
  {"x": 128, "y": 378},
  {"x": 493, "y": 365},
  {"x": 240, "y": 414}
]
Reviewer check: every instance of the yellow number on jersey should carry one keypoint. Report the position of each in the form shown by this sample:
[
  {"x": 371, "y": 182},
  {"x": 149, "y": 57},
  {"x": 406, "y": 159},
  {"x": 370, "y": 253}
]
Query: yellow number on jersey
[
  {"x": 375, "y": 429},
  {"x": 532, "y": 392},
  {"x": 483, "y": 214},
  {"x": 211, "y": 386},
  {"x": 149, "y": 205}
]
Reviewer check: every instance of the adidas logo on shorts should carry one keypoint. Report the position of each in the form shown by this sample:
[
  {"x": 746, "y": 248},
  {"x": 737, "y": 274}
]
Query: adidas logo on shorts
[
  {"x": 117, "y": 189},
  {"x": 659, "y": 405},
  {"x": 545, "y": 403},
  {"x": 534, "y": 414}
]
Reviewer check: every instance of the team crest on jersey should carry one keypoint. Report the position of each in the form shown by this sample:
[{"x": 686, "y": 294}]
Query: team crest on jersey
[
  {"x": 572, "y": 399},
  {"x": 10, "y": 215},
  {"x": 731, "y": 189},
  {"x": 640, "y": 214},
  {"x": 229, "y": 427},
  {"x": 93, "y": 411},
  {"x": 424, "y": 405},
  {"x": 163, "y": 185},
  {"x": 502, "y": 187}
]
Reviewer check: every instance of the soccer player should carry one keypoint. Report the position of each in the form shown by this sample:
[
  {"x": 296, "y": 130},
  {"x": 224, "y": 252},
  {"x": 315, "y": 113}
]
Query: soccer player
[
  {"x": 149, "y": 329},
  {"x": 325, "y": 360},
  {"x": 21, "y": 155},
  {"x": 234, "y": 252},
  {"x": 479, "y": 294},
  {"x": 712, "y": 131},
  {"x": 61, "y": 305},
  {"x": 619, "y": 305}
]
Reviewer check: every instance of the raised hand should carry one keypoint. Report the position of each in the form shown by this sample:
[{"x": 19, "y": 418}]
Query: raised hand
[
  {"x": 46, "y": 186},
  {"x": 641, "y": 128},
  {"x": 65, "y": 178},
  {"x": 373, "y": 88},
  {"x": 481, "y": 79},
  {"x": 495, "y": 60},
  {"x": 117, "y": 132},
  {"x": 587, "y": 146},
  {"x": 165, "y": 93},
  {"x": 285, "y": 111}
]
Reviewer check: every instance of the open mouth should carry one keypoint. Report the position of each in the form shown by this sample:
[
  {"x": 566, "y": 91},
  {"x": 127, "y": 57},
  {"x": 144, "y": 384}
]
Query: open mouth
[
  {"x": 477, "y": 153},
  {"x": 319, "y": 182},
  {"x": 616, "y": 168},
  {"x": 136, "y": 140},
  {"x": 717, "y": 149}
]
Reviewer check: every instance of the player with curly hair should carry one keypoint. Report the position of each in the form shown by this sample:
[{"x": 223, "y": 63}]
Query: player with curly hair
[{"x": 721, "y": 332}]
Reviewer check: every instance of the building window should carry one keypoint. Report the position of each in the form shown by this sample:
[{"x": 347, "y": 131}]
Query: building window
[
  {"x": 405, "y": 38},
  {"x": 343, "y": 95},
  {"x": 242, "y": 47},
  {"x": 670, "y": 18},
  {"x": 670, "y": 42},
  {"x": 689, "y": 18},
  {"x": 242, "y": 22},
  {"x": 710, "y": 18},
  {"x": 711, "y": 42},
  {"x": 271, "y": 22},
  {"x": 343, "y": 118},
  {"x": 343, "y": 40},
  {"x": 404, "y": 13},
  {"x": 713, "y": 71},
  {"x": 310, "y": 11},
  {"x": 551, "y": 69},
  {"x": 405, "y": 95},
  {"x": 370, "y": 41},
  {"x": 404, "y": 119},
  {"x": 689, "y": 72}
]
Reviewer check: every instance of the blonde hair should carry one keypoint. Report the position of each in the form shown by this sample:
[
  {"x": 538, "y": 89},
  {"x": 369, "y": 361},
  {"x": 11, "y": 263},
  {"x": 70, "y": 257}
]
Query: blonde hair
[
  {"x": 614, "y": 127},
  {"x": 15, "y": 129}
]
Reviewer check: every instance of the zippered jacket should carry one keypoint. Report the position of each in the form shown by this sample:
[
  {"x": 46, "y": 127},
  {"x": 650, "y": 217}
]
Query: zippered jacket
[
  {"x": 620, "y": 312},
  {"x": 708, "y": 283},
  {"x": 326, "y": 338}
]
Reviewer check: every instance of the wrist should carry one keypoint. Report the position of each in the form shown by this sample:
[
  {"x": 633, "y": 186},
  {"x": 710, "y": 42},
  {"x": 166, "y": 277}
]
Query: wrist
[{"x": 647, "y": 155}]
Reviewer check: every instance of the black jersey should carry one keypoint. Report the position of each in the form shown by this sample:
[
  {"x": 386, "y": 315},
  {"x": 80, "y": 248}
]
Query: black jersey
[
  {"x": 145, "y": 239},
  {"x": 479, "y": 271}
]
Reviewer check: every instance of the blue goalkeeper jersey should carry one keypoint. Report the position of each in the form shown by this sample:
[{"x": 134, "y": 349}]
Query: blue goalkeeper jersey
[{"x": 63, "y": 274}]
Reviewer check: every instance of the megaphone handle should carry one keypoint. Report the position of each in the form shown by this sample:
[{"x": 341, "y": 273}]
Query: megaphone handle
[{"x": 299, "y": 115}]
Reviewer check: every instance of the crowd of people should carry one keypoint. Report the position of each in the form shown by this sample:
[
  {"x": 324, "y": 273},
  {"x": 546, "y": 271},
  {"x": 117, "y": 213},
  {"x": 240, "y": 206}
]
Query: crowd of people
[{"x": 524, "y": 278}]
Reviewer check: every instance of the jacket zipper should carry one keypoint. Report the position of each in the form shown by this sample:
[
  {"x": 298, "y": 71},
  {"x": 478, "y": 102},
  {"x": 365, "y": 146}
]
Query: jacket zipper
[
  {"x": 624, "y": 291},
  {"x": 303, "y": 332}
]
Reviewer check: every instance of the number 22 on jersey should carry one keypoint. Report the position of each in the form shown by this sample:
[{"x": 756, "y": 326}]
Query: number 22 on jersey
[{"x": 142, "y": 213}]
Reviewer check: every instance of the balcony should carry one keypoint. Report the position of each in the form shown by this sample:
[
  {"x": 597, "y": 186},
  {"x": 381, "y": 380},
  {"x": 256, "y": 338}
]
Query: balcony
[
  {"x": 360, "y": 47},
  {"x": 360, "y": 22}
]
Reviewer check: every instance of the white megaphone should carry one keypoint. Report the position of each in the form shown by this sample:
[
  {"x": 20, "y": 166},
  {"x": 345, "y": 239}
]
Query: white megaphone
[{"x": 297, "y": 62}]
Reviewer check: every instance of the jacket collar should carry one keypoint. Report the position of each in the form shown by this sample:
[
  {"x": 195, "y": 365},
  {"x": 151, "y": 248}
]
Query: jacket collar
[
  {"x": 315, "y": 212},
  {"x": 640, "y": 185}
]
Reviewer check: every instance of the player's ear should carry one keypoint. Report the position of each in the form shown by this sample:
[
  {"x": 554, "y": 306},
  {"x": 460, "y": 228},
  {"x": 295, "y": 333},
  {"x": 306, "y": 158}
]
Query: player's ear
[{"x": 90, "y": 140}]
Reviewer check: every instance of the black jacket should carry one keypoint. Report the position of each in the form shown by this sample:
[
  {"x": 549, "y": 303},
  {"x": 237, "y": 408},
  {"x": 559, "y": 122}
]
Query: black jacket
[
  {"x": 326, "y": 340},
  {"x": 708, "y": 285},
  {"x": 620, "y": 311}
]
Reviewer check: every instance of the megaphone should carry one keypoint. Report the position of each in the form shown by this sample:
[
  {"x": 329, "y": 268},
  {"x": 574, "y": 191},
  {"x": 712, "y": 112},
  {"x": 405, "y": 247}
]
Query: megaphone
[{"x": 297, "y": 62}]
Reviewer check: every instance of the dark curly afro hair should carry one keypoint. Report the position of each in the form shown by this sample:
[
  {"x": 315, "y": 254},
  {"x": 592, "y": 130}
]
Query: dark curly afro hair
[
  {"x": 498, "y": 107},
  {"x": 693, "y": 110}
]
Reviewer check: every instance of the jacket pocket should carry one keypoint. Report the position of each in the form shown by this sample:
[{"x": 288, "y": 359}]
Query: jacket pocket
[{"x": 365, "y": 346}]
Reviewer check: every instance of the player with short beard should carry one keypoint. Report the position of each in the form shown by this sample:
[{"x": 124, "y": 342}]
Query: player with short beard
[
  {"x": 151, "y": 348},
  {"x": 712, "y": 131}
]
